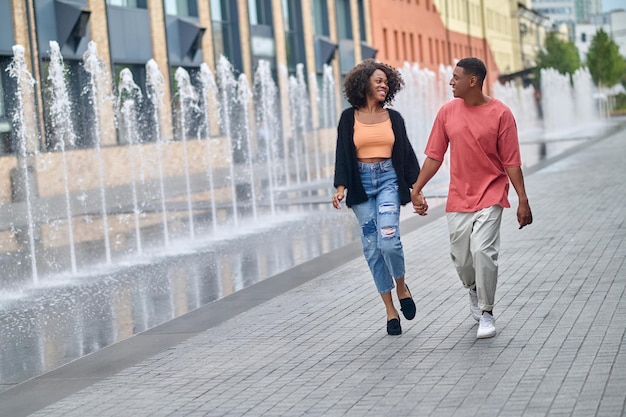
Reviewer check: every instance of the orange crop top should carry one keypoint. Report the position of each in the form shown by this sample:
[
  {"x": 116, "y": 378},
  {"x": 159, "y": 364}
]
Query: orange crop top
[{"x": 373, "y": 140}]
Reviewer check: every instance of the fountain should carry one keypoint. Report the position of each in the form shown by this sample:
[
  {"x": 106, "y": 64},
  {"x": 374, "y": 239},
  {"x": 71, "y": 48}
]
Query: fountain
[
  {"x": 154, "y": 92},
  {"x": 98, "y": 76},
  {"x": 27, "y": 148},
  {"x": 188, "y": 104},
  {"x": 244, "y": 138},
  {"x": 128, "y": 122},
  {"x": 299, "y": 101},
  {"x": 128, "y": 184},
  {"x": 268, "y": 127},
  {"x": 63, "y": 132},
  {"x": 227, "y": 88},
  {"x": 585, "y": 107},
  {"x": 314, "y": 129},
  {"x": 557, "y": 100},
  {"x": 562, "y": 116},
  {"x": 209, "y": 95},
  {"x": 327, "y": 102},
  {"x": 156, "y": 225}
]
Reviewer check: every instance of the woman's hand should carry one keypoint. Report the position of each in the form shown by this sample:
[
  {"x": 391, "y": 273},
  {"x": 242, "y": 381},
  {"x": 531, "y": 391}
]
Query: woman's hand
[
  {"x": 420, "y": 206},
  {"x": 339, "y": 195}
]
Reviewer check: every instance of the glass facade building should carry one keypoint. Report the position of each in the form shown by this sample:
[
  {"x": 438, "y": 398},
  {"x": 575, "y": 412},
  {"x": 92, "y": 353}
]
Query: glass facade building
[{"x": 176, "y": 34}]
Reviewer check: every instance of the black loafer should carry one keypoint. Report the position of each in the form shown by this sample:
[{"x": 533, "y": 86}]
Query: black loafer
[
  {"x": 407, "y": 306},
  {"x": 393, "y": 327}
]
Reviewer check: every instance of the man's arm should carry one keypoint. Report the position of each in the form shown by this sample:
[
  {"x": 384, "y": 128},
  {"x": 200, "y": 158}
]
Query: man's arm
[
  {"x": 429, "y": 169},
  {"x": 524, "y": 214}
]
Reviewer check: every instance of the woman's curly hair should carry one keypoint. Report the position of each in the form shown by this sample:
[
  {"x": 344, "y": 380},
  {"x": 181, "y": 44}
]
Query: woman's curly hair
[{"x": 357, "y": 82}]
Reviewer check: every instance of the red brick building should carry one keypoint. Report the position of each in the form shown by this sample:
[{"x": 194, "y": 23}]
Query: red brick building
[{"x": 414, "y": 31}]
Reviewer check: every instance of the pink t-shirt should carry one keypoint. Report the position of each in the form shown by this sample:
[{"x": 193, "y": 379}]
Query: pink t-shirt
[{"x": 483, "y": 142}]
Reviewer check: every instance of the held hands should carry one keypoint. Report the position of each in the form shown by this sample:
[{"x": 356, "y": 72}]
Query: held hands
[
  {"x": 420, "y": 206},
  {"x": 339, "y": 195}
]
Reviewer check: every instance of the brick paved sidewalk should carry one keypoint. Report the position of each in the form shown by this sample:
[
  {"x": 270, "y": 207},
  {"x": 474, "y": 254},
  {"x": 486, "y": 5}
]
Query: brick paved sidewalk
[{"x": 321, "y": 348}]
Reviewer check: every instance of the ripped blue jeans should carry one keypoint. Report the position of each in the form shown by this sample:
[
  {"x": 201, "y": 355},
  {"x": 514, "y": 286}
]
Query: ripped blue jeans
[{"x": 379, "y": 218}]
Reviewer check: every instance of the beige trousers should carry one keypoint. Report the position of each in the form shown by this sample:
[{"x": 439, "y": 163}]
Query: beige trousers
[{"x": 474, "y": 248}]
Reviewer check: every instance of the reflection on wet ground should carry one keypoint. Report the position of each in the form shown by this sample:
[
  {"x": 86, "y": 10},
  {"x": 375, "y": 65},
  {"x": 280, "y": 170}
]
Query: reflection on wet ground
[
  {"x": 536, "y": 148},
  {"x": 63, "y": 319}
]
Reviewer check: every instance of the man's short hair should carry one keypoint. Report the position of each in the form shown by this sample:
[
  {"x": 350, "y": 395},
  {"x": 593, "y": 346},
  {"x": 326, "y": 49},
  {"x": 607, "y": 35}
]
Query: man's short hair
[{"x": 473, "y": 66}]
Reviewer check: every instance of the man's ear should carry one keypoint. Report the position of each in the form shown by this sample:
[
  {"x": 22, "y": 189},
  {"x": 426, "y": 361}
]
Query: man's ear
[{"x": 473, "y": 81}]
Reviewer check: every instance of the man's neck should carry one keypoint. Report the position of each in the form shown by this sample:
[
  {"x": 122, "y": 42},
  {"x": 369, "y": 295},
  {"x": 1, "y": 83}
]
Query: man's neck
[{"x": 477, "y": 99}]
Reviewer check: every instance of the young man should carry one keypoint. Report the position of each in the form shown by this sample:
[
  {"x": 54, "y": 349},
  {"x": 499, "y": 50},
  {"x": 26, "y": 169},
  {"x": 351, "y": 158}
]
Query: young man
[{"x": 484, "y": 157}]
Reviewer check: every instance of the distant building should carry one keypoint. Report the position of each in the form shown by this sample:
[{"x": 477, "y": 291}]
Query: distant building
[
  {"x": 432, "y": 33},
  {"x": 567, "y": 12},
  {"x": 533, "y": 27},
  {"x": 575, "y": 11},
  {"x": 613, "y": 23},
  {"x": 556, "y": 10},
  {"x": 587, "y": 8}
]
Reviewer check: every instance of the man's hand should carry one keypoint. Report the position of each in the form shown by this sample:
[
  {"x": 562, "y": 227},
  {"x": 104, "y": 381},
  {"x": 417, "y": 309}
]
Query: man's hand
[
  {"x": 429, "y": 169},
  {"x": 524, "y": 215},
  {"x": 420, "y": 206}
]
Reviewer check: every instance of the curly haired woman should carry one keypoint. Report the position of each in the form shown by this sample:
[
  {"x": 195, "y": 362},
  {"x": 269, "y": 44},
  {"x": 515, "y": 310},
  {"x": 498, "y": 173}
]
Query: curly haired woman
[{"x": 376, "y": 164}]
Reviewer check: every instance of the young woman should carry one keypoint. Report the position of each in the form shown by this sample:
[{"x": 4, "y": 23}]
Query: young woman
[{"x": 376, "y": 165}]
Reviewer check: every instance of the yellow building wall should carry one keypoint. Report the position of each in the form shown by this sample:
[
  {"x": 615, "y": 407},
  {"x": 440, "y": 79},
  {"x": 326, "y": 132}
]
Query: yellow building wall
[
  {"x": 501, "y": 25},
  {"x": 493, "y": 21}
]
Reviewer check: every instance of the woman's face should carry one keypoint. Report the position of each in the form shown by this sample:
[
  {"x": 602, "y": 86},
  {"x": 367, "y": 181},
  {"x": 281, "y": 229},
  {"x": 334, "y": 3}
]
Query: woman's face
[{"x": 378, "y": 87}]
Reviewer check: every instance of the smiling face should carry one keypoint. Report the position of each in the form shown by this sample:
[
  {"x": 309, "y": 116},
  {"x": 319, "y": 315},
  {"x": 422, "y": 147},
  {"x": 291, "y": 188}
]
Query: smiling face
[
  {"x": 461, "y": 82},
  {"x": 379, "y": 86}
]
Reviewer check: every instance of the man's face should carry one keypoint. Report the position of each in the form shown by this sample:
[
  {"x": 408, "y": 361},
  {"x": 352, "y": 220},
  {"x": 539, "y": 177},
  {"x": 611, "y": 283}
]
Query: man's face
[{"x": 461, "y": 82}]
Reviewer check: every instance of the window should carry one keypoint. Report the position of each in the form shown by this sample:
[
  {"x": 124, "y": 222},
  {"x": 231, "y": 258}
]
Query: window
[
  {"x": 294, "y": 35},
  {"x": 430, "y": 50},
  {"x": 138, "y": 4},
  {"x": 396, "y": 44},
  {"x": 2, "y": 107},
  {"x": 225, "y": 32},
  {"x": 184, "y": 8},
  {"x": 405, "y": 55},
  {"x": 362, "y": 20},
  {"x": 320, "y": 18},
  {"x": 6, "y": 146},
  {"x": 344, "y": 21},
  {"x": 386, "y": 43},
  {"x": 421, "y": 48},
  {"x": 260, "y": 12}
]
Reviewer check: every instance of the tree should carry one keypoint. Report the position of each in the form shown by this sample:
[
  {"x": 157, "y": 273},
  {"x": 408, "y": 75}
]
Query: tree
[
  {"x": 558, "y": 54},
  {"x": 605, "y": 63}
]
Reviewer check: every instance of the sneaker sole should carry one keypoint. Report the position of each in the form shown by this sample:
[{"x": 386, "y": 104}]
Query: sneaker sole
[{"x": 486, "y": 335}]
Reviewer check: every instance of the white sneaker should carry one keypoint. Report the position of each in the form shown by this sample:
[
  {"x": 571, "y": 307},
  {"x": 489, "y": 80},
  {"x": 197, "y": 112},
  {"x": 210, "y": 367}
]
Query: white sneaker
[
  {"x": 486, "y": 326},
  {"x": 476, "y": 311}
]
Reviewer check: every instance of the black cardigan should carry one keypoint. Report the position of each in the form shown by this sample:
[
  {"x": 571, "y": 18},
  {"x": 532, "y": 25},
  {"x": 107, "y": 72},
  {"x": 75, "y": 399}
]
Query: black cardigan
[{"x": 347, "y": 169}]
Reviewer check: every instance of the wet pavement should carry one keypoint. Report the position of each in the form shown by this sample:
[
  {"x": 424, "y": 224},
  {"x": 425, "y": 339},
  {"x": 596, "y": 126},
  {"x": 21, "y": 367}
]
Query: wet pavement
[
  {"x": 66, "y": 317},
  {"x": 315, "y": 309}
]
